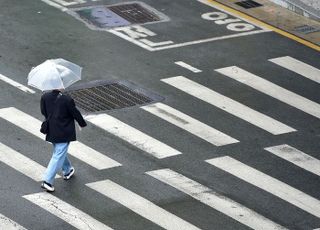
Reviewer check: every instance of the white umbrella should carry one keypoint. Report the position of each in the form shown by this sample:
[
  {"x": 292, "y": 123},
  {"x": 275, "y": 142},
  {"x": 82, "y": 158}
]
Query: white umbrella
[{"x": 54, "y": 74}]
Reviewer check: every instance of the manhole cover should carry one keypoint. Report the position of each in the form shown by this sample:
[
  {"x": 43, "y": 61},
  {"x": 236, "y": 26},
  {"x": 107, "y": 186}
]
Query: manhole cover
[
  {"x": 101, "y": 95},
  {"x": 248, "y": 4},
  {"x": 305, "y": 29},
  {"x": 109, "y": 16}
]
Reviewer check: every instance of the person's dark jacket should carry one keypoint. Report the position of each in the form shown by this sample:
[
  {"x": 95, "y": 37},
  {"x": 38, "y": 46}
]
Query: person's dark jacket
[{"x": 61, "y": 122}]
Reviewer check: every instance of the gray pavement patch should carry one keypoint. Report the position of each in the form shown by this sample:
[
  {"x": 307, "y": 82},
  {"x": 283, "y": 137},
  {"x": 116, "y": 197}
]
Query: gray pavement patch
[{"x": 104, "y": 17}]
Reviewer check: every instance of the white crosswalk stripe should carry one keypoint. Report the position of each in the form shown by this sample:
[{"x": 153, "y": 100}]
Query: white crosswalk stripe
[
  {"x": 296, "y": 157},
  {"x": 207, "y": 196},
  {"x": 133, "y": 136},
  {"x": 187, "y": 66},
  {"x": 16, "y": 84},
  {"x": 8, "y": 224},
  {"x": 65, "y": 211},
  {"x": 141, "y": 206},
  {"x": 268, "y": 183},
  {"x": 298, "y": 67},
  {"x": 21, "y": 163},
  {"x": 272, "y": 90},
  {"x": 76, "y": 149},
  {"x": 189, "y": 124},
  {"x": 229, "y": 105}
]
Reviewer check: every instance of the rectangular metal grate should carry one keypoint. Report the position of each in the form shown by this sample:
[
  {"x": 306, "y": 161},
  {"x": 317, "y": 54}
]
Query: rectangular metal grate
[
  {"x": 101, "y": 17},
  {"x": 109, "y": 96},
  {"x": 110, "y": 16},
  {"x": 248, "y": 4},
  {"x": 306, "y": 29},
  {"x": 134, "y": 13}
]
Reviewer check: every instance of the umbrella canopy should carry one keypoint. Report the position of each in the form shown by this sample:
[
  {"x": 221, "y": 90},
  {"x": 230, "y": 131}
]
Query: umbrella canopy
[{"x": 54, "y": 74}]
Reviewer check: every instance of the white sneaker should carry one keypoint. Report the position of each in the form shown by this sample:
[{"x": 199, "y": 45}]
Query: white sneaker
[
  {"x": 69, "y": 175},
  {"x": 47, "y": 186}
]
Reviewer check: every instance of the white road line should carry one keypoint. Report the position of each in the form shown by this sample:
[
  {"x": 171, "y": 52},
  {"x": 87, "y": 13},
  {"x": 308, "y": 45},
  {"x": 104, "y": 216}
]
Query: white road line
[
  {"x": 132, "y": 40},
  {"x": 189, "y": 124},
  {"x": 140, "y": 205},
  {"x": 16, "y": 84},
  {"x": 272, "y": 90},
  {"x": 208, "y": 197},
  {"x": 231, "y": 106},
  {"x": 268, "y": 183},
  {"x": 21, "y": 163},
  {"x": 187, "y": 66},
  {"x": 76, "y": 149},
  {"x": 69, "y": 3},
  {"x": 56, "y": 5},
  {"x": 296, "y": 157},
  {"x": 133, "y": 136},
  {"x": 65, "y": 211},
  {"x": 201, "y": 40},
  {"x": 8, "y": 224},
  {"x": 298, "y": 67}
]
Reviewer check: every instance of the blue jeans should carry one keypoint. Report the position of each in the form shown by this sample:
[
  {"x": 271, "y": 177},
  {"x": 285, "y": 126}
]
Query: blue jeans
[{"x": 59, "y": 160}]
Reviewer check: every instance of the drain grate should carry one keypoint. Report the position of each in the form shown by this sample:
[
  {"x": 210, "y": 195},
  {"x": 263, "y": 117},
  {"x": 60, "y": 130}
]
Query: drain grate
[
  {"x": 306, "y": 29},
  {"x": 248, "y": 4},
  {"x": 109, "y": 16},
  {"x": 108, "y": 96},
  {"x": 135, "y": 13}
]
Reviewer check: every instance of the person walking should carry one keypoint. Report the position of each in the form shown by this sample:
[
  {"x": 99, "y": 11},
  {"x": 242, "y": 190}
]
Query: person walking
[{"x": 60, "y": 111}]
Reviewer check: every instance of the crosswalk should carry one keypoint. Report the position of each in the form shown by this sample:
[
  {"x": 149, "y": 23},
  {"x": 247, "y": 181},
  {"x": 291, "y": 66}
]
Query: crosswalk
[
  {"x": 8, "y": 224},
  {"x": 77, "y": 149},
  {"x": 141, "y": 205},
  {"x": 268, "y": 183},
  {"x": 187, "y": 187},
  {"x": 65, "y": 211},
  {"x": 217, "y": 201},
  {"x": 229, "y": 105},
  {"x": 272, "y": 90}
]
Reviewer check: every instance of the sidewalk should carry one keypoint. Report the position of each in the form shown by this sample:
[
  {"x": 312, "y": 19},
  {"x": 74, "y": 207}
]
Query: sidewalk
[
  {"x": 308, "y": 8},
  {"x": 277, "y": 16}
]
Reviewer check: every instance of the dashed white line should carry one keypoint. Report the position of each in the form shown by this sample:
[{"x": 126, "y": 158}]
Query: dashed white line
[{"x": 187, "y": 66}]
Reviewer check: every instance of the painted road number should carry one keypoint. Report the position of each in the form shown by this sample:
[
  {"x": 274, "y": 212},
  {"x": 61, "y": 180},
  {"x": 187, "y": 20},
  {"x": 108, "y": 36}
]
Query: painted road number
[{"x": 233, "y": 24}]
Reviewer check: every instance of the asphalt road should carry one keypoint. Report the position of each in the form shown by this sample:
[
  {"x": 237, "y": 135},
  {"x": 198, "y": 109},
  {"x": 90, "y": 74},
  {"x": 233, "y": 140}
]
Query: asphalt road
[{"x": 280, "y": 193}]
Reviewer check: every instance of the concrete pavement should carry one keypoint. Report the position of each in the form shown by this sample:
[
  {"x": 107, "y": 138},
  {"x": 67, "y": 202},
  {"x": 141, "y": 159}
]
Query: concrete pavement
[
  {"x": 308, "y": 8},
  {"x": 281, "y": 20}
]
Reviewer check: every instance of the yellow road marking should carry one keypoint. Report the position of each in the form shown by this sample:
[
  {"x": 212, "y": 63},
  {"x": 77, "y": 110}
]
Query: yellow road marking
[{"x": 263, "y": 24}]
